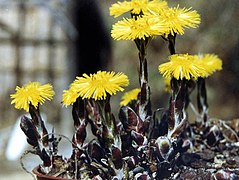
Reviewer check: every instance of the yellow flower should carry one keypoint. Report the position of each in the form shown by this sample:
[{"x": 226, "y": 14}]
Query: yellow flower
[
  {"x": 182, "y": 66},
  {"x": 131, "y": 29},
  {"x": 179, "y": 18},
  {"x": 69, "y": 96},
  {"x": 32, "y": 93},
  {"x": 95, "y": 86},
  {"x": 120, "y": 8},
  {"x": 129, "y": 96},
  {"x": 210, "y": 62},
  {"x": 137, "y": 7},
  {"x": 167, "y": 84}
]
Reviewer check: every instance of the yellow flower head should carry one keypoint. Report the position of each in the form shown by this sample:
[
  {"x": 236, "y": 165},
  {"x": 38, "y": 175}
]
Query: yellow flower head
[
  {"x": 69, "y": 96},
  {"x": 179, "y": 18},
  {"x": 167, "y": 84},
  {"x": 95, "y": 86},
  {"x": 210, "y": 62},
  {"x": 182, "y": 66},
  {"x": 137, "y": 7},
  {"x": 131, "y": 29},
  {"x": 32, "y": 93},
  {"x": 129, "y": 96}
]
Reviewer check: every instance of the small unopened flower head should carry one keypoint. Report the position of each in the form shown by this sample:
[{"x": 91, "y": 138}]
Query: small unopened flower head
[
  {"x": 182, "y": 66},
  {"x": 177, "y": 19},
  {"x": 131, "y": 29},
  {"x": 95, "y": 86},
  {"x": 163, "y": 146},
  {"x": 137, "y": 7},
  {"x": 32, "y": 93},
  {"x": 210, "y": 62},
  {"x": 129, "y": 96}
]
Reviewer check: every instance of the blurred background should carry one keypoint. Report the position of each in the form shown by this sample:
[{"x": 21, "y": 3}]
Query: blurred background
[{"x": 52, "y": 41}]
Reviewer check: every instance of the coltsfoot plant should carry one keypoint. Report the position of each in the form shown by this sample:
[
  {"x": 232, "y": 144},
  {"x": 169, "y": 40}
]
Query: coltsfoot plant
[{"x": 140, "y": 143}]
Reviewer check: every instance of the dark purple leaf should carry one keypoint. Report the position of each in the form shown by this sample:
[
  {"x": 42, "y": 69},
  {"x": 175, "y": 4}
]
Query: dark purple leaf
[
  {"x": 128, "y": 118},
  {"x": 78, "y": 112},
  {"x": 137, "y": 137},
  {"x": 80, "y": 134},
  {"x": 30, "y": 131},
  {"x": 117, "y": 157}
]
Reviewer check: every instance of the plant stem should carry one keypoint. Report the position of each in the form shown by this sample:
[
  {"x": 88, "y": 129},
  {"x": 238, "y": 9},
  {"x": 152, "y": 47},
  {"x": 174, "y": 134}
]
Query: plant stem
[
  {"x": 145, "y": 104},
  {"x": 108, "y": 123},
  {"x": 202, "y": 99},
  {"x": 39, "y": 124},
  {"x": 171, "y": 45}
]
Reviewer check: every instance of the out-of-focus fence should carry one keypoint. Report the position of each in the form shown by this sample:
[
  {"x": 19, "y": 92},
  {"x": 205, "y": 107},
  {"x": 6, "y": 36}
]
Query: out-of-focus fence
[
  {"x": 35, "y": 38},
  {"x": 33, "y": 47},
  {"x": 49, "y": 41}
]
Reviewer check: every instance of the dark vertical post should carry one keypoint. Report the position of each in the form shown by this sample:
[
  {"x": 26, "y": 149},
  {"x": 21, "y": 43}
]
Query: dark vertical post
[{"x": 92, "y": 47}]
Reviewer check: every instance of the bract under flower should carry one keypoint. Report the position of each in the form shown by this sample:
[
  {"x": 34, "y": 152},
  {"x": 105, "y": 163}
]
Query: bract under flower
[
  {"x": 32, "y": 93},
  {"x": 182, "y": 66},
  {"x": 130, "y": 96}
]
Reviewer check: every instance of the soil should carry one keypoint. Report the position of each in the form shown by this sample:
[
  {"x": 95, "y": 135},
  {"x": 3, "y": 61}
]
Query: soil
[{"x": 220, "y": 163}]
